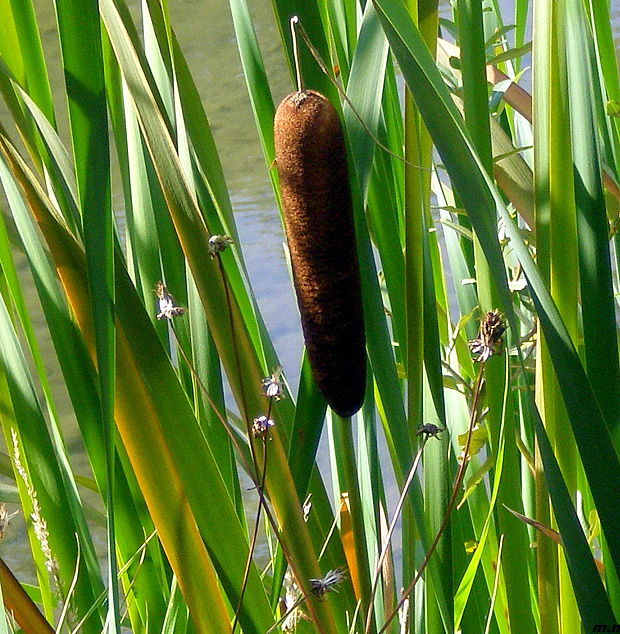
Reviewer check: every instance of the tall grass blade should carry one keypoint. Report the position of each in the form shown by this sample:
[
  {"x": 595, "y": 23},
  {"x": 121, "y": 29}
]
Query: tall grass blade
[
  {"x": 597, "y": 294},
  {"x": 594, "y": 606},
  {"x": 80, "y": 41}
]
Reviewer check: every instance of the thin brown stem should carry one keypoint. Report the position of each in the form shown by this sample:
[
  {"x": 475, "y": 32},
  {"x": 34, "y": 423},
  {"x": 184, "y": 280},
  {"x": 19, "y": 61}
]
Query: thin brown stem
[
  {"x": 258, "y": 476},
  {"x": 252, "y": 548},
  {"x": 392, "y": 527},
  {"x": 259, "y": 482},
  {"x": 212, "y": 404},
  {"x": 455, "y": 492}
]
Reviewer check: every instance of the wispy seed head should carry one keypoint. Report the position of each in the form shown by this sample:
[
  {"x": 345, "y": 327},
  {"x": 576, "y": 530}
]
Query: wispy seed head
[{"x": 328, "y": 583}]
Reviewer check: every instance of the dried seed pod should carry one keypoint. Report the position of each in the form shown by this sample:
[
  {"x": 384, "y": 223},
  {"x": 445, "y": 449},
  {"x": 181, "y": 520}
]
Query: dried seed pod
[{"x": 316, "y": 202}]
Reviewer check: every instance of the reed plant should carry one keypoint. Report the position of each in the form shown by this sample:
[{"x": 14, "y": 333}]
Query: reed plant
[{"x": 485, "y": 224}]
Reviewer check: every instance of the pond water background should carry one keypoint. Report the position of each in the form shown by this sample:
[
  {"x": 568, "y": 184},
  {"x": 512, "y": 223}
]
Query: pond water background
[{"x": 204, "y": 29}]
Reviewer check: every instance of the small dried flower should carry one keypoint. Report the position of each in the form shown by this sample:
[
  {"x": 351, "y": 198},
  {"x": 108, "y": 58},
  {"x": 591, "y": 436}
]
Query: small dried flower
[
  {"x": 261, "y": 426},
  {"x": 5, "y": 518},
  {"x": 218, "y": 243},
  {"x": 272, "y": 385},
  {"x": 328, "y": 583},
  {"x": 489, "y": 340},
  {"x": 429, "y": 430},
  {"x": 167, "y": 308}
]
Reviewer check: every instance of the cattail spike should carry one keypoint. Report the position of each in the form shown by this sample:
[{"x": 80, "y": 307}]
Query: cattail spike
[{"x": 316, "y": 203}]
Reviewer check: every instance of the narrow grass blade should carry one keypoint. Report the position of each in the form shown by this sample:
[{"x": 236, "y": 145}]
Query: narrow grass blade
[
  {"x": 590, "y": 593},
  {"x": 597, "y": 293},
  {"x": 80, "y": 40},
  {"x": 307, "y": 428},
  {"x": 22, "y": 51},
  {"x": 255, "y": 77},
  {"x": 19, "y": 605}
]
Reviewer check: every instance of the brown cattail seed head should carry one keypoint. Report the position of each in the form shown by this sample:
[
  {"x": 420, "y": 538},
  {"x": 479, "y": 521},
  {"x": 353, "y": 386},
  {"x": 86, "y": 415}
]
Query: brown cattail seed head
[{"x": 318, "y": 216}]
